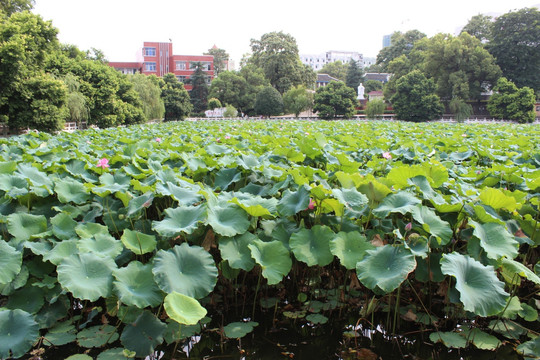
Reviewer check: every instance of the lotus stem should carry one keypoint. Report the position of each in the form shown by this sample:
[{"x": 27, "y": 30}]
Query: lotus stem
[
  {"x": 255, "y": 298},
  {"x": 396, "y": 310}
]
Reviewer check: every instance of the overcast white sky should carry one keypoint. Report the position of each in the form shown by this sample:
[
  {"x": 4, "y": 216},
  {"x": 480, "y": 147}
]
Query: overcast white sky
[{"x": 119, "y": 27}]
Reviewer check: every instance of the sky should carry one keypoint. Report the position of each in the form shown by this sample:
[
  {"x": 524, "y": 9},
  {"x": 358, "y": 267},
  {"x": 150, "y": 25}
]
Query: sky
[{"x": 119, "y": 27}]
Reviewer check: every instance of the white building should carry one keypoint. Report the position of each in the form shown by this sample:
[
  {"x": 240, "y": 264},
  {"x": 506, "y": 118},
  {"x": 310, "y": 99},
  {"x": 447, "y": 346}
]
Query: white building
[{"x": 317, "y": 61}]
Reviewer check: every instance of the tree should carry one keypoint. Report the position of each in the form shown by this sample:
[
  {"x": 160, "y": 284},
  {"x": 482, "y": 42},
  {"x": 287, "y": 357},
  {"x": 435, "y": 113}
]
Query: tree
[
  {"x": 150, "y": 95},
  {"x": 276, "y": 53},
  {"x": 512, "y": 103},
  {"x": 461, "y": 109},
  {"x": 199, "y": 92},
  {"x": 459, "y": 66},
  {"x": 269, "y": 102},
  {"x": 479, "y": 26},
  {"x": 375, "y": 108},
  {"x": 214, "y": 103},
  {"x": 335, "y": 69},
  {"x": 335, "y": 100},
  {"x": 76, "y": 102},
  {"x": 400, "y": 44},
  {"x": 230, "y": 111},
  {"x": 10, "y": 7},
  {"x": 372, "y": 85},
  {"x": 515, "y": 44},
  {"x": 175, "y": 98},
  {"x": 354, "y": 75},
  {"x": 297, "y": 99},
  {"x": 220, "y": 59},
  {"x": 415, "y": 98}
]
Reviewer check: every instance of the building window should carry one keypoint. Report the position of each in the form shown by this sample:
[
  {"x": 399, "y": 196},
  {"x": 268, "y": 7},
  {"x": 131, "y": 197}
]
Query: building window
[
  {"x": 180, "y": 65},
  {"x": 149, "y": 51},
  {"x": 150, "y": 66}
]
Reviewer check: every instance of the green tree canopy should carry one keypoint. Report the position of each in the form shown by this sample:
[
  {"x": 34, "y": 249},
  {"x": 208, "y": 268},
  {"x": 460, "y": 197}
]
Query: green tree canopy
[
  {"x": 214, "y": 103},
  {"x": 175, "y": 98},
  {"x": 354, "y": 74},
  {"x": 335, "y": 100},
  {"x": 297, "y": 99},
  {"x": 199, "y": 92},
  {"x": 479, "y": 26},
  {"x": 372, "y": 85},
  {"x": 509, "y": 102},
  {"x": 415, "y": 98},
  {"x": 459, "y": 66},
  {"x": 401, "y": 44},
  {"x": 220, "y": 59},
  {"x": 336, "y": 69},
  {"x": 269, "y": 102},
  {"x": 10, "y": 7},
  {"x": 150, "y": 95},
  {"x": 515, "y": 43},
  {"x": 375, "y": 108},
  {"x": 276, "y": 53}
]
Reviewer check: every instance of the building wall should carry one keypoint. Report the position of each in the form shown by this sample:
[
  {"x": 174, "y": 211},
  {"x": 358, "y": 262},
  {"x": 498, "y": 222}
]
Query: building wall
[{"x": 317, "y": 61}]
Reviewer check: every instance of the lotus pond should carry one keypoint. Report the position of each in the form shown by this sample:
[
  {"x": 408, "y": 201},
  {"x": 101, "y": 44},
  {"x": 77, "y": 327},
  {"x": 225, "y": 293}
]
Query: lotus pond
[{"x": 271, "y": 239}]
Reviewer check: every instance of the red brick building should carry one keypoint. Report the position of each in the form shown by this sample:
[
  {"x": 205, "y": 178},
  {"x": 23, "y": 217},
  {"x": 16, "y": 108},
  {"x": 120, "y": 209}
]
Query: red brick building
[{"x": 157, "y": 58}]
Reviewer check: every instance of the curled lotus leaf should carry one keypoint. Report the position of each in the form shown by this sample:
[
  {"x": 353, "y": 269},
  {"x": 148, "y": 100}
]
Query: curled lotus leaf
[
  {"x": 183, "y": 309},
  {"x": 138, "y": 242},
  {"x": 181, "y": 219},
  {"x": 312, "y": 246},
  {"x": 11, "y": 261},
  {"x": 273, "y": 257},
  {"x": 19, "y": 331},
  {"x": 135, "y": 285},
  {"x": 350, "y": 248},
  {"x": 189, "y": 270}
]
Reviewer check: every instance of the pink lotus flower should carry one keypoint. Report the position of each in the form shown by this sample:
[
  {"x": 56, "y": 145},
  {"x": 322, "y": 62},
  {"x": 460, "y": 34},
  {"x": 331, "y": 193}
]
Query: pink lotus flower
[
  {"x": 158, "y": 140},
  {"x": 103, "y": 163},
  {"x": 227, "y": 137},
  {"x": 311, "y": 205},
  {"x": 408, "y": 227},
  {"x": 218, "y": 140},
  {"x": 387, "y": 155}
]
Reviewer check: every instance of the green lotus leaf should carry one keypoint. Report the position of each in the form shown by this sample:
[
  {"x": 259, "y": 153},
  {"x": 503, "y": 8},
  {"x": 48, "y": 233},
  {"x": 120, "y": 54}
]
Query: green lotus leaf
[
  {"x": 77, "y": 168},
  {"x": 518, "y": 268},
  {"x": 350, "y": 248},
  {"x": 183, "y": 309},
  {"x": 13, "y": 185},
  {"x": 497, "y": 199},
  {"x": 507, "y": 328},
  {"x": 481, "y": 292},
  {"x": 63, "y": 226},
  {"x": 312, "y": 246},
  {"x": 528, "y": 313},
  {"x": 102, "y": 245},
  {"x": 274, "y": 259},
  {"x": 112, "y": 183},
  {"x": 182, "y": 219},
  {"x": 433, "y": 224},
  {"x": 226, "y": 177},
  {"x": 87, "y": 276},
  {"x": 144, "y": 334},
  {"x": 61, "y": 250},
  {"x": 237, "y": 330},
  {"x": 11, "y": 261},
  {"x": 71, "y": 191},
  {"x": 236, "y": 251},
  {"x": 512, "y": 308},
  {"x": 449, "y": 339},
  {"x": 495, "y": 240},
  {"x": 59, "y": 338},
  {"x": 138, "y": 242},
  {"x": 257, "y": 205},
  {"x": 139, "y": 203},
  {"x": 89, "y": 230},
  {"x": 293, "y": 202},
  {"x": 428, "y": 193},
  {"x": 18, "y": 331},
  {"x": 351, "y": 198},
  {"x": 97, "y": 336},
  {"x": 530, "y": 349},
  {"x": 28, "y": 298},
  {"x": 23, "y": 226},
  {"x": 385, "y": 267},
  {"x": 486, "y": 214},
  {"x": 481, "y": 339},
  {"x": 317, "y": 319},
  {"x": 374, "y": 190},
  {"x": 228, "y": 219},
  {"x": 186, "y": 196},
  {"x": 135, "y": 285},
  {"x": 115, "y": 354},
  {"x": 189, "y": 270},
  {"x": 41, "y": 184},
  {"x": 79, "y": 357},
  {"x": 401, "y": 202},
  {"x": 418, "y": 245}
]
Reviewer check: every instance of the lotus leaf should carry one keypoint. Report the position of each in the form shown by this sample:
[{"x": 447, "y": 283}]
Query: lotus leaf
[
  {"x": 495, "y": 240},
  {"x": 11, "y": 261},
  {"x": 23, "y": 226},
  {"x": 237, "y": 330},
  {"x": 351, "y": 198},
  {"x": 71, "y": 191},
  {"x": 87, "y": 276},
  {"x": 28, "y": 298},
  {"x": 138, "y": 242},
  {"x": 450, "y": 339},
  {"x": 497, "y": 199},
  {"x": 225, "y": 177},
  {"x": 428, "y": 193},
  {"x": 18, "y": 332},
  {"x": 481, "y": 339},
  {"x": 257, "y": 205},
  {"x": 182, "y": 219},
  {"x": 518, "y": 268},
  {"x": 135, "y": 285},
  {"x": 186, "y": 196},
  {"x": 89, "y": 230},
  {"x": 293, "y": 202},
  {"x": 97, "y": 336},
  {"x": 312, "y": 246},
  {"x": 481, "y": 292},
  {"x": 317, "y": 319},
  {"x": 13, "y": 185},
  {"x": 228, "y": 219},
  {"x": 41, "y": 184},
  {"x": 61, "y": 250},
  {"x": 63, "y": 226},
  {"x": 189, "y": 270},
  {"x": 183, "y": 309},
  {"x": 350, "y": 248},
  {"x": 274, "y": 259},
  {"x": 401, "y": 202},
  {"x": 115, "y": 354},
  {"x": 236, "y": 251},
  {"x": 79, "y": 357},
  {"x": 433, "y": 223},
  {"x": 530, "y": 349},
  {"x": 139, "y": 203},
  {"x": 385, "y": 267},
  {"x": 144, "y": 334},
  {"x": 101, "y": 244}
]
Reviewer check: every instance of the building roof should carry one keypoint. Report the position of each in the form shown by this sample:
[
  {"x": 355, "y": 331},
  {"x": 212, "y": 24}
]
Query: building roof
[
  {"x": 326, "y": 78},
  {"x": 125, "y": 64},
  {"x": 375, "y": 93},
  {"x": 382, "y": 77}
]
